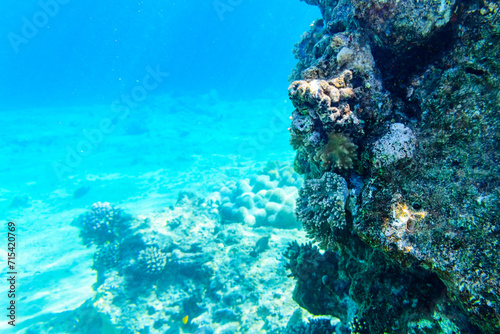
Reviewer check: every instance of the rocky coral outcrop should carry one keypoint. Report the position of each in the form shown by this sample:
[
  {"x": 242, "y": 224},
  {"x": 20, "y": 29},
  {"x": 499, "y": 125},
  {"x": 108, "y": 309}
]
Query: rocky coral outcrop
[
  {"x": 424, "y": 179},
  {"x": 402, "y": 25},
  {"x": 313, "y": 326}
]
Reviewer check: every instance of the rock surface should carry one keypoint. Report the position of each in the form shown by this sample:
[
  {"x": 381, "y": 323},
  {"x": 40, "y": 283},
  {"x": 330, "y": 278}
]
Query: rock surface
[{"x": 419, "y": 106}]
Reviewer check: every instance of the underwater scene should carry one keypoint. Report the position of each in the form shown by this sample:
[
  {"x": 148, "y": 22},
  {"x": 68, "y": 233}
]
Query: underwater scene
[{"x": 233, "y": 166}]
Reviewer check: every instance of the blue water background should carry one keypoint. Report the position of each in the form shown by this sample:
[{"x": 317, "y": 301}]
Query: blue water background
[
  {"x": 90, "y": 52},
  {"x": 221, "y": 109}
]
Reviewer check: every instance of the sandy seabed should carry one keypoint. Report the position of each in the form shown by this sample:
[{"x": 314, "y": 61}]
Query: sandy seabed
[{"x": 56, "y": 164}]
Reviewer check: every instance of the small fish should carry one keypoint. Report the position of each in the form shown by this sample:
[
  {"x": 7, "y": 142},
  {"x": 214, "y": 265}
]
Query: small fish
[
  {"x": 80, "y": 192},
  {"x": 185, "y": 319},
  {"x": 260, "y": 246}
]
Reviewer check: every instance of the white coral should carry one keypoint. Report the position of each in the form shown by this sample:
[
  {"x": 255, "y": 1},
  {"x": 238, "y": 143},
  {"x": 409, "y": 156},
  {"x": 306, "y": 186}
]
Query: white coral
[{"x": 398, "y": 143}]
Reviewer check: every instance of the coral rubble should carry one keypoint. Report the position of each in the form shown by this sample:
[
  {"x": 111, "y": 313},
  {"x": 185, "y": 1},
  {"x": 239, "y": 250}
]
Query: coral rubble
[{"x": 399, "y": 100}]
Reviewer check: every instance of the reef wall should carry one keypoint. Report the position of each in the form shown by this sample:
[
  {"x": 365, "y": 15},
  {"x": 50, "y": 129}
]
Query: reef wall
[{"x": 396, "y": 130}]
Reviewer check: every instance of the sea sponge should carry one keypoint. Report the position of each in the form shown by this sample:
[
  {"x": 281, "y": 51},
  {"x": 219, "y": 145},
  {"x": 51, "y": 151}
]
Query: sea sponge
[
  {"x": 398, "y": 143},
  {"x": 338, "y": 153}
]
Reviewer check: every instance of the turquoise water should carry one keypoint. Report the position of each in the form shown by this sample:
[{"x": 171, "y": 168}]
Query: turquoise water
[{"x": 132, "y": 103}]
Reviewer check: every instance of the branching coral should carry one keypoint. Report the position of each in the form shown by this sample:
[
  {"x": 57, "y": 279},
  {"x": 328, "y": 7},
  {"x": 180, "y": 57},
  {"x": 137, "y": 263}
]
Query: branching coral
[
  {"x": 103, "y": 223},
  {"x": 152, "y": 261},
  {"x": 321, "y": 208},
  {"x": 339, "y": 152},
  {"x": 107, "y": 256}
]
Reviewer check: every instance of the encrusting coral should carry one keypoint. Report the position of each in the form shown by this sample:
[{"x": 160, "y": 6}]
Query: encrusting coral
[{"x": 398, "y": 143}]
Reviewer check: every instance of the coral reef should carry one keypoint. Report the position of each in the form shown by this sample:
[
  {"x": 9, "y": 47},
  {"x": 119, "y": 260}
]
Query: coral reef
[
  {"x": 423, "y": 177},
  {"x": 225, "y": 275}
]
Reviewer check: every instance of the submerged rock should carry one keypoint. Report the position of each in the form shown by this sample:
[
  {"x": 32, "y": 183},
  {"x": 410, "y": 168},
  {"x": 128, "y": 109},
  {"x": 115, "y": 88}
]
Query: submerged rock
[{"x": 424, "y": 182}]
